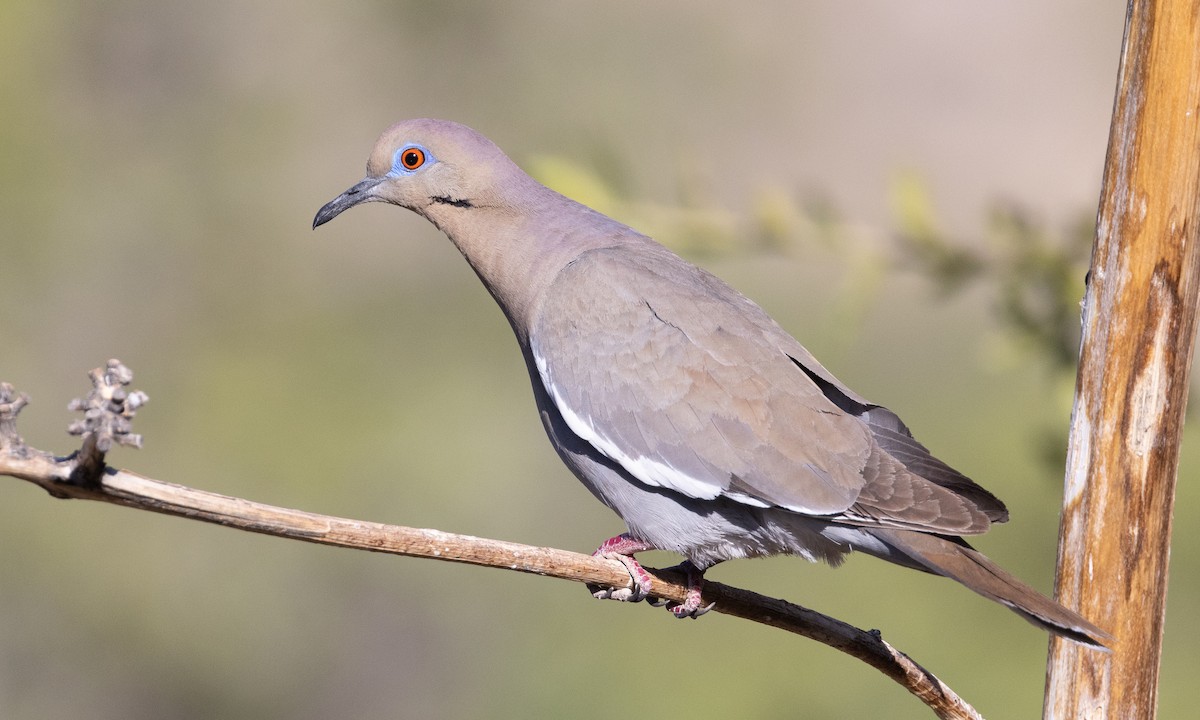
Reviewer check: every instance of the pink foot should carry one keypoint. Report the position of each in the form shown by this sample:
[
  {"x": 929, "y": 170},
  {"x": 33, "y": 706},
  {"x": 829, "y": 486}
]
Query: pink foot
[
  {"x": 690, "y": 607},
  {"x": 622, "y": 548}
]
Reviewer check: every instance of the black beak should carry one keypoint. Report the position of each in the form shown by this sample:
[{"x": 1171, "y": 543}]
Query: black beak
[{"x": 356, "y": 195}]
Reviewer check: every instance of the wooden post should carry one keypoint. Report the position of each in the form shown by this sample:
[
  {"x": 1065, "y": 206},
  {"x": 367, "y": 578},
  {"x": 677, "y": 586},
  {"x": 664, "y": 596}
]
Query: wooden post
[{"x": 1139, "y": 326}]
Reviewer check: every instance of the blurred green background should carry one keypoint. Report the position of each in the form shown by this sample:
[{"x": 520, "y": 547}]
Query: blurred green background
[{"x": 162, "y": 162}]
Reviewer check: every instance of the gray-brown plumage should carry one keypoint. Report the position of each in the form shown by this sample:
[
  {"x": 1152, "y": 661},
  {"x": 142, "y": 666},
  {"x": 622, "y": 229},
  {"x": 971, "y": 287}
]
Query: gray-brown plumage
[{"x": 676, "y": 400}]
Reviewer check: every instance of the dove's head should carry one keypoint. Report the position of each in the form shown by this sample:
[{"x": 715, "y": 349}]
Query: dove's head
[{"x": 430, "y": 165}]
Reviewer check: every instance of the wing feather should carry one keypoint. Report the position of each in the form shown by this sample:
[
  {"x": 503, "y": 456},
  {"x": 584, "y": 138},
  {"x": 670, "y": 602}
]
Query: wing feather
[{"x": 661, "y": 368}]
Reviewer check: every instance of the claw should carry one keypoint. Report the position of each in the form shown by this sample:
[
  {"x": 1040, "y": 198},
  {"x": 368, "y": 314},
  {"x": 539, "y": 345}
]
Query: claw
[
  {"x": 681, "y": 610},
  {"x": 690, "y": 607}
]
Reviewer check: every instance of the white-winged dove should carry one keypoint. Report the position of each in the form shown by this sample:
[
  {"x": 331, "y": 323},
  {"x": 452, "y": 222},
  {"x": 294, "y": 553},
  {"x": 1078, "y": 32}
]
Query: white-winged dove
[{"x": 677, "y": 401}]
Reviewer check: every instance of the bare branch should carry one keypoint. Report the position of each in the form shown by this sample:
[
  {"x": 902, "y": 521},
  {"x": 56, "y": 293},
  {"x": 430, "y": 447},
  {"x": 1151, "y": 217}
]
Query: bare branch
[{"x": 63, "y": 478}]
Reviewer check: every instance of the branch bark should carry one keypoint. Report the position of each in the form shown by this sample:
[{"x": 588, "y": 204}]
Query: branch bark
[
  {"x": 1139, "y": 326},
  {"x": 71, "y": 477}
]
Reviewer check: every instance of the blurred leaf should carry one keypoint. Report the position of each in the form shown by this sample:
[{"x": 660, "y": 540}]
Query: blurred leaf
[
  {"x": 1040, "y": 280},
  {"x": 573, "y": 180},
  {"x": 949, "y": 265}
]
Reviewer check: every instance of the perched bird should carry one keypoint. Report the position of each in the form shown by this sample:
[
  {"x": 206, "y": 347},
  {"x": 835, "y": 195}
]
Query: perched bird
[{"x": 677, "y": 401}]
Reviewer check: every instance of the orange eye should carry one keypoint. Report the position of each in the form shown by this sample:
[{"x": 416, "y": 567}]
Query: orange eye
[{"x": 412, "y": 158}]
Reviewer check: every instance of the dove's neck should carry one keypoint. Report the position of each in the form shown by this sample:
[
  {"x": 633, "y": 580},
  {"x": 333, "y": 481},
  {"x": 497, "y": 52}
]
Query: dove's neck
[{"x": 518, "y": 246}]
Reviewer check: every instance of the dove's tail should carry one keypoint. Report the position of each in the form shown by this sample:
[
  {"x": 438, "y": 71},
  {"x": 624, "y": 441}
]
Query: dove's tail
[{"x": 956, "y": 560}]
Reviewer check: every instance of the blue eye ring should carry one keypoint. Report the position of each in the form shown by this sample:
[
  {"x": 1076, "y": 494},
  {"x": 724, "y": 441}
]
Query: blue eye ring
[{"x": 410, "y": 158}]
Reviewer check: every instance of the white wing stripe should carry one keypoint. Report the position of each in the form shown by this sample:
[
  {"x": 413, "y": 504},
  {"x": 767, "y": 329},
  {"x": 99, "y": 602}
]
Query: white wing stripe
[
  {"x": 747, "y": 500},
  {"x": 648, "y": 470}
]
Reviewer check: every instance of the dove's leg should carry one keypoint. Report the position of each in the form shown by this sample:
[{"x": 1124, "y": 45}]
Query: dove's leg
[{"x": 622, "y": 547}]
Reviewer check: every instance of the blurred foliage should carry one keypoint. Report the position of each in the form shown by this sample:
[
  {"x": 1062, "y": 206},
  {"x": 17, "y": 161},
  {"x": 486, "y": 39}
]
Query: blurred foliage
[
  {"x": 1036, "y": 276},
  {"x": 950, "y": 266},
  {"x": 1033, "y": 275}
]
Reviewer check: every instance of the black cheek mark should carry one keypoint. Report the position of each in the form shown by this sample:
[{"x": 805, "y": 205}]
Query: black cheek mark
[{"x": 456, "y": 202}]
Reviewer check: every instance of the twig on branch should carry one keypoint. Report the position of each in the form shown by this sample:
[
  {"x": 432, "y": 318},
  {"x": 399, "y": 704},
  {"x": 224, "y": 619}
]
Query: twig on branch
[{"x": 110, "y": 410}]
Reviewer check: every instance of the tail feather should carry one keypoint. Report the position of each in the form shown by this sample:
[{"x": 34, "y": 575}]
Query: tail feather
[{"x": 972, "y": 568}]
